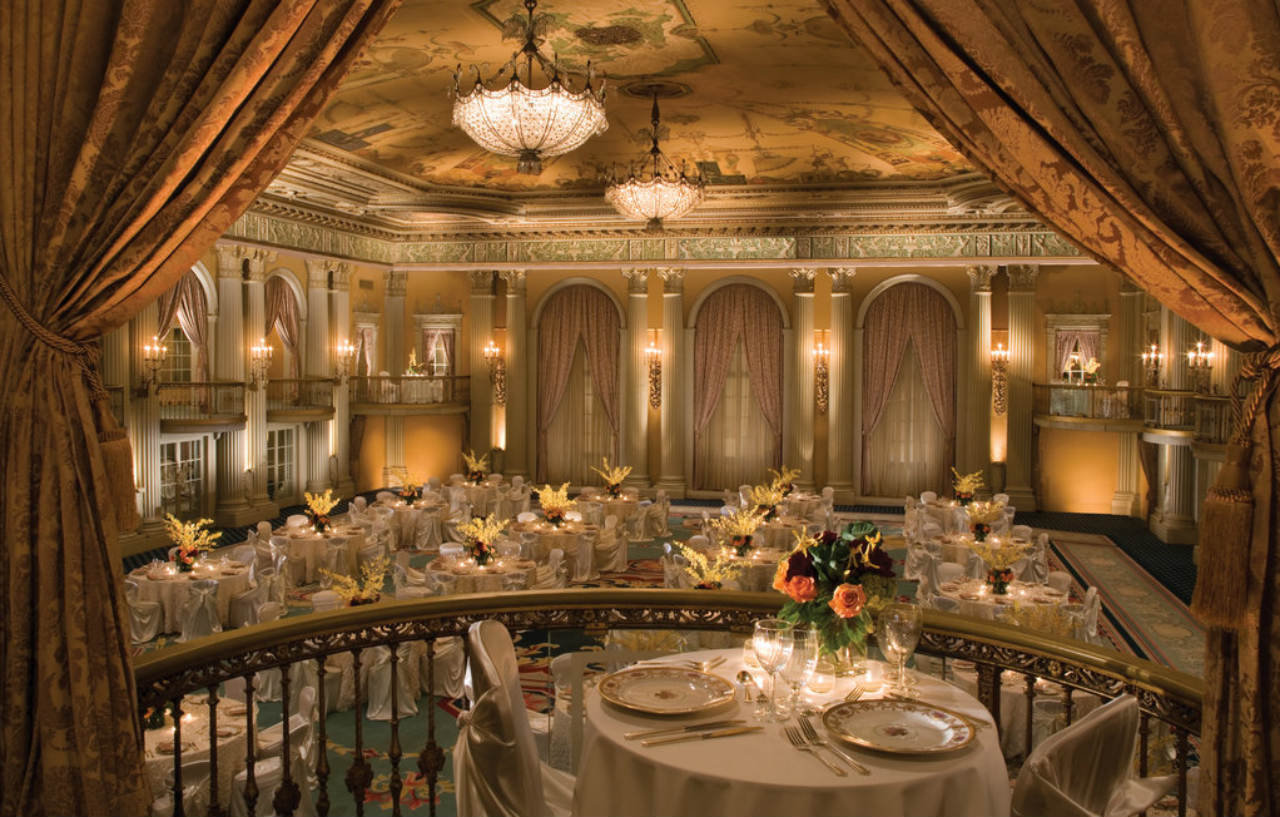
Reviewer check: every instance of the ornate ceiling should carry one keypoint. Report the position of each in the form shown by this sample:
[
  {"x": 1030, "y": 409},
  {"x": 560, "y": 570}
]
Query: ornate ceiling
[{"x": 773, "y": 94}]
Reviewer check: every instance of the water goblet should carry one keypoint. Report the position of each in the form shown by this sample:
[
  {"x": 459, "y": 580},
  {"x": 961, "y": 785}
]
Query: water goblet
[
  {"x": 772, "y": 644},
  {"x": 900, "y": 626},
  {"x": 800, "y": 665}
]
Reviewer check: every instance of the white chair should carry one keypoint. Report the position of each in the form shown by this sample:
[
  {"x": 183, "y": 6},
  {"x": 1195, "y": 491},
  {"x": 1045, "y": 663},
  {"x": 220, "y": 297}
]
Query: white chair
[
  {"x": 551, "y": 575},
  {"x": 304, "y": 677},
  {"x": 323, "y": 600},
  {"x": 673, "y": 564},
  {"x": 699, "y": 541},
  {"x": 1022, "y": 532},
  {"x": 584, "y": 562},
  {"x": 495, "y": 760},
  {"x": 1003, "y": 499},
  {"x": 928, "y": 497},
  {"x": 1059, "y": 580},
  {"x": 611, "y": 548},
  {"x": 385, "y": 497},
  {"x": 195, "y": 790},
  {"x": 658, "y": 519},
  {"x": 1087, "y": 769},
  {"x": 297, "y": 520},
  {"x": 268, "y": 774},
  {"x": 406, "y": 588},
  {"x": 245, "y": 606},
  {"x": 730, "y": 499},
  {"x": 376, "y": 664},
  {"x": 592, "y": 511},
  {"x": 975, "y": 566},
  {"x": 146, "y": 618},
  {"x": 369, "y": 553},
  {"x": 827, "y": 509},
  {"x": 199, "y": 613},
  {"x": 450, "y": 668},
  {"x": 274, "y": 582},
  {"x": 360, "y": 504},
  {"x": 302, "y": 706},
  {"x": 744, "y": 495},
  {"x": 526, "y": 516}
]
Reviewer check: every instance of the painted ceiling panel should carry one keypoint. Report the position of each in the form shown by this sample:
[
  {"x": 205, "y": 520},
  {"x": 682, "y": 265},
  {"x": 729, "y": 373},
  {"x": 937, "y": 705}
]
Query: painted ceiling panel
[{"x": 774, "y": 93}]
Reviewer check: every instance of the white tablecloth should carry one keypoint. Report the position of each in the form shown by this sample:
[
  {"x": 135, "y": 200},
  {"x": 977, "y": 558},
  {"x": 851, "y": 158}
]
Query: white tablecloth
[
  {"x": 761, "y": 774},
  {"x": 232, "y": 723},
  {"x": 780, "y": 534},
  {"x": 549, "y": 537},
  {"x": 1024, "y": 603},
  {"x": 474, "y": 579},
  {"x": 172, "y": 591},
  {"x": 420, "y": 525},
  {"x": 307, "y": 553}
]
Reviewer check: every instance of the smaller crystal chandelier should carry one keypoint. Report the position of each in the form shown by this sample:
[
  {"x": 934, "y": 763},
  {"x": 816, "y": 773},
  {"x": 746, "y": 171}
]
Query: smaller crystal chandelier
[
  {"x": 516, "y": 120},
  {"x": 664, "y": 192}
]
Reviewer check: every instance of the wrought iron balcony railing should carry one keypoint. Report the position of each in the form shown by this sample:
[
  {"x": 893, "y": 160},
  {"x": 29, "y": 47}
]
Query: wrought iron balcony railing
[
  {"x": 1170, "y": 409},
  {"x": 410, "y": 390},
  {"x": 1088, "y": 401},
  {"x": 303, "y": 393},
  {"x": 1169, "y": 701},
  {"x": 1213, "y": 418},
  {"x": 200, "y": 401}
]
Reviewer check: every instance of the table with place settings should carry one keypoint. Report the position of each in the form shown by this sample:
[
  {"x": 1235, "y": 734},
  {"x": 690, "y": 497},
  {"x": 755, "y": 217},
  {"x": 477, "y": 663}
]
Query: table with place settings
[
  {"x": 164, "y": 583},
  {"x": 232, "y": 729},
  {"x": 974, "y": 598},
  {"x": 308, "y": 549},
  {"x": 549, "y": 537},
  {"x": 468, "y": 577},
  {"x": 761, "y": 773}
]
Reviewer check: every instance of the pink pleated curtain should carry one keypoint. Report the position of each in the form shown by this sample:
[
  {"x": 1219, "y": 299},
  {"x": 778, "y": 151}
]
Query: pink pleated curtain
[
  {"x": 919, "y": 314},
  {"x": 730, "y": 314},
  {"x": 576, "y": 313},
  {"x": 282, "y": 313},
  {"x": 185, "y": 303}
]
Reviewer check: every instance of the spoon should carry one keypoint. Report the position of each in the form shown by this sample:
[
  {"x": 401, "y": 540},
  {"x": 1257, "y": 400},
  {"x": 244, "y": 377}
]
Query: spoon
[{"x": 745, "y": 679}]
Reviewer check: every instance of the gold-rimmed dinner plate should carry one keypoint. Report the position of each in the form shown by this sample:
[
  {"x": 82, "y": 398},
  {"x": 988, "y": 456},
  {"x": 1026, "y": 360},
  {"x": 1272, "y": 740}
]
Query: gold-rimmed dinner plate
[
  {"x": 659, "y": 690},
  {"x": 898, "y": 727}
]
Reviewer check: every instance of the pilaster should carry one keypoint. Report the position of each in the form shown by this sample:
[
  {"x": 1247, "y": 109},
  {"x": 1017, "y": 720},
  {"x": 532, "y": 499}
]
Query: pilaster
[
  {"x": 255, "y": 320},
  {"x": 480, "y": 331},
  {"x": 1022, "y": 283},
  {"x": 798, "y": 436},
  {"x": 977, "y": 442},
  {"x": 233, "y": 507},
  {"x": 517, "y": 444},
  {"x": 840, "y": 454},
  {"x": 318, "y": 362},
  {"x": 675, "y": 406},
  {"x": 143, "y": 424},
  {"x": 340, "y": 332},
  {"x": 635, "y": 436},
  {"x": 1174, "y": 520},
  {"x": 394, "y": 357}
]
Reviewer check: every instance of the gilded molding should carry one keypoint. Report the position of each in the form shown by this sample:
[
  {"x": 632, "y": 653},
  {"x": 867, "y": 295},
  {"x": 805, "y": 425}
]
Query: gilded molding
[{"x": 397, "y": 283}]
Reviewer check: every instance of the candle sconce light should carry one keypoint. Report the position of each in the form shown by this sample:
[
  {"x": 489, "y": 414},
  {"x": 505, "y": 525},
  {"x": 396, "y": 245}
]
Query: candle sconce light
[
  {"x": 1000, "y": 379},
  {"x": 497, "y": 372},
  {"x": 653, "y": 357},
  {"x": 821, "y": 371}
]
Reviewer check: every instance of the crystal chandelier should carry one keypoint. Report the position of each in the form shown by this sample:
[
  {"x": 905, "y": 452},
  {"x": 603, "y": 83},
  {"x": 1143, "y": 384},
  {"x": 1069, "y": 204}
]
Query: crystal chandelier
[
  {"x": 517, "y": 120},
  {"x": 662, "y": 192}
]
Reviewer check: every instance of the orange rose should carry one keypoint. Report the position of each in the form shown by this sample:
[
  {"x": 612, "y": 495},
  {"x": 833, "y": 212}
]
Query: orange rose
[
  {"x": 780, "y": 577},
  {"x": 801, "y": 589},
  {"x": 848, "y": 600}
]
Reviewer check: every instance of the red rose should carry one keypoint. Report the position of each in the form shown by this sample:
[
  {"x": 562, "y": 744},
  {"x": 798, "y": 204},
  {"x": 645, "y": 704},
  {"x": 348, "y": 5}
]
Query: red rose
[
  {"x": 801, "y": 589},
  {"x": 848, "y": 600}
]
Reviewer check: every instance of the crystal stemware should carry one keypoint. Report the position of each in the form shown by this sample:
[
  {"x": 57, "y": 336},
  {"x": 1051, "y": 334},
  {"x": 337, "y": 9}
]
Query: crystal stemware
[
  {"x": 800, "y": 665},
  {"x": 899, "y": 628},
  {"x": 772, "y": 644}
]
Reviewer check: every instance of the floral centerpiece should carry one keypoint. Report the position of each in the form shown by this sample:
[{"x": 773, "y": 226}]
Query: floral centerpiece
[
  {"x": 1091, "y": 370},
  {"x": 318, "y": 507},
  {"x": 835, "y": 583},
  {"x": 190, "y": 539},
  {"x": 708, "y": 574},
  {"x": 477, "y": 467},
  {"x": 154, "y": 717},
  {"x": 966, "y": 485},
  {"x": 613, "y": 477},
  {"x": 765, "y": 499},
  {"x": 737, "y": 529},
  {"x": 981, "y": 516},
  {"x": 480, "y": 536},
  {"x": 1000, "y": 557},
  {"x": 366, "y": 591},
  {"x": 410, "y": 488},
  {"x": 556, "y": 503},
  {"x": 784, "y": 480},
  {"x": 415, "y": 369}
]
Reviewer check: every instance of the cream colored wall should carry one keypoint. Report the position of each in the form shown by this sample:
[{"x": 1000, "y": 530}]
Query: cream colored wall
[
  {"x": 454, "y": 289},
  {"x": 433, "y": 445},
  {"x": 1064, "y": 289},
  {"x": 1077, "y": 470}
]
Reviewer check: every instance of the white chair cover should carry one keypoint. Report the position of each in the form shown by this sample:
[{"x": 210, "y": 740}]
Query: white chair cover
[
  {"x": 928, "y": 496},
  {"x": 274, "y": 582},
  {"x": 376, "y": 663},
  {"x": 975, "y": 566},
  {"x": 1001, "y": 498},
  {"x": 146, "y": 618},
  {"x": 297, "y": 520},
  {"x": 195, "y": 790},
  {"x": 658, "y": 518},
  {"x": 244, "y": 607},
  {"x": 918, "y": 557},
  {"x": 450, "y": 668},
  {"x": 268, "y": 774},
  {"x": 1092, "y": 606},
  {"x": 369, "y": 553},
  {"x": 584, "y": 562},
  {"x": 592, "y": 511},
  {"x": 1059, "y": 580},
  {"x": 1086, "y": 770},
  {"x": 199, "y": 614},
  {"x": 303, "y": 676},
  {"x": 384, "y": 496},
  {"x": 552, "y": 574},
  {"x": 409, "y": 588},
  {"x": 612, "y": 549},
  {"x": 495, "y": 760}
]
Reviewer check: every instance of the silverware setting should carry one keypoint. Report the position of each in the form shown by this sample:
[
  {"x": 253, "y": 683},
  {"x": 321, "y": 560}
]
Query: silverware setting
[
  {"x": 702, "y": 666},
  {"x": 798, "y": 741},
  {"x": 857, "y": 692},
  {"x": 671, "y": 730},
  {"x": 815, "y": 739},
  {"x": 719, "y": 733},
  {"x": 747, "y": 682}
]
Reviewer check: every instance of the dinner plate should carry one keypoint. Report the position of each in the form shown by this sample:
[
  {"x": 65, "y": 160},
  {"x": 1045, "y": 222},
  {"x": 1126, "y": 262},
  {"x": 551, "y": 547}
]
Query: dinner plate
[
  {"x": 658, "y": 690},
  {"x": 898, "y": 727}
]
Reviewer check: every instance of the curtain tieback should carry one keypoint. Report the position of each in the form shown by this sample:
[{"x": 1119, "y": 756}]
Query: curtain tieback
[
  {"x": 1226, "y": 520},
  {"x": 86, "y": 356}
]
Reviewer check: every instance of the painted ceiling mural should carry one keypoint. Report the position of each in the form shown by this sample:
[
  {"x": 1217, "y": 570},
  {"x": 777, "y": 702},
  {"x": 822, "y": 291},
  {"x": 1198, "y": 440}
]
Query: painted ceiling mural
[{"x": 768, "y": 93}]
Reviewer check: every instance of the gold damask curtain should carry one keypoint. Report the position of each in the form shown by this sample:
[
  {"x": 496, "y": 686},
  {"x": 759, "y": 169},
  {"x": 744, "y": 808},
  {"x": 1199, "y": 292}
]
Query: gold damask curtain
[
  {"x": 1149, "y": 134},
  {"x": 134, "y": 132}
]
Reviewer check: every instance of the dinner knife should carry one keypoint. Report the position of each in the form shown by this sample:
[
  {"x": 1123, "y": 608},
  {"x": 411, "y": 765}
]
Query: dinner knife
[
  {"x": 671, "y": 730},
  {"x": 719, "y": 733}
]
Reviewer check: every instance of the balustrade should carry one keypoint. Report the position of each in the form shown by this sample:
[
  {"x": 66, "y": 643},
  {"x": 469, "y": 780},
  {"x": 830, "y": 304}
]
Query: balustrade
[
  {"x": 195, "y": 401},
  {"x": 1089, "y": 401},
  {"x": 410, "y": 390}
]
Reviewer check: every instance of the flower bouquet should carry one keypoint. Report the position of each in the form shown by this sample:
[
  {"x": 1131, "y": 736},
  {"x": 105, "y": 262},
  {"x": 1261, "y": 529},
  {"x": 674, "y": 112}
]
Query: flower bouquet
[
  {"x": 613, "y": 477},
  {"x": 368, "y": 589},
  {"x": 1000, "y": 557},
  {"x": 981, "y": 517},
  {"x": 477, "y": 467},
  {"x": 1091, "y": 370},
  {"x": 154, "y": 717},
  {"x": 190, "y": 539},
  {"x": 835, "y": 582},
  {"x": 318, "y": 507},
  {"x": 556, "y": 503},
  {"x": 766, "y": 499},
  {"x": 480, "y": 536},
  {"x": 410, "y": 488},
  {"x": 966, "y": 485},
  {"x": 708, "y": 574},
  {"x": 784, "y": 480},
  {"x": 737, "y": 529}
]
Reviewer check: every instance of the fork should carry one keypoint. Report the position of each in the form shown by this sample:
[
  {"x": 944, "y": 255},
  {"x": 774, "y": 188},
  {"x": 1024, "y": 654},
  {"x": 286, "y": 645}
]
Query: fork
[
  {"x": 798, "y": 741},
  {"x": 806, "y": 727}
]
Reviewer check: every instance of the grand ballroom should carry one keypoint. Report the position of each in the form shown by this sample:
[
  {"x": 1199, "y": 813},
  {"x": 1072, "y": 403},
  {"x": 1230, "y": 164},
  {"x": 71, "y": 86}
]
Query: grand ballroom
[{"x": 661, "y": 407}]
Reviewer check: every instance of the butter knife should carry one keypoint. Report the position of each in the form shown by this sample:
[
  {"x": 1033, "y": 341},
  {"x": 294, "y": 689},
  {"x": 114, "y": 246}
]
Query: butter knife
[
  {"x": 719, "y": 733},
  {"x": 671, "y": 730}
]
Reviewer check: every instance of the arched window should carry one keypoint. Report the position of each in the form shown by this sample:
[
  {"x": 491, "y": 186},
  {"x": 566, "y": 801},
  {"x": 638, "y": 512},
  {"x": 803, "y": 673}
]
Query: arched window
[
  {"x": 908, "y": 392},
  {"x": 737, "y": 396},
  {"x": 184, "y": 325},
  {"x": 578, "y": 340}
]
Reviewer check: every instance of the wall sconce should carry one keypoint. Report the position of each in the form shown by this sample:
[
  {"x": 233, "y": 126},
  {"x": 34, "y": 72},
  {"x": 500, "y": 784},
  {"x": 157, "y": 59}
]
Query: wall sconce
[
  {"x": 1000, "y": 379},
  {"x": 259, "y": 363},
  {"x": 497, "y": 372},
  {"x": 1200, "y": 362},
  {"x": 346, "y": 359},
  {"x": 821, "y": 371},
  {"x": 153, "y": 357},
  {"x": 1152, "y": 359},
  {"x": 653, "y": 357}
]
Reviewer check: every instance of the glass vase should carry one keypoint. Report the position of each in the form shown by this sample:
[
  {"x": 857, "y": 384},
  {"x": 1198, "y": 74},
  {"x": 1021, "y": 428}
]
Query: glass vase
[{"x": 849, "y": 660}]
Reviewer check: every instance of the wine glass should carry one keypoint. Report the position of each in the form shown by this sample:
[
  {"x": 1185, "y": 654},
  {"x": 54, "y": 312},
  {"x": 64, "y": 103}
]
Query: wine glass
[
  {"x": 772, "y": 645},
  {"x": 800, "y": 664},
  {"x": 900, "y": 626}
]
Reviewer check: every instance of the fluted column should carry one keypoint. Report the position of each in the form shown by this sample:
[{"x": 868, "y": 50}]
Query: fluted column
[
  {"x": 1174, "y": 519},
  {"x": 798, "y": 435},
  {"x": 143, "y": 423},
  {"x": 1176, "y": 337},
  {"x": 340, "y": 331},
  {"x": 233, "y": 507},
  {"x": 977, "y": 434},
  {"x": 480, "y": 331},
  {"x": 635, "y": 389},
  {"x": 517, "y": 459},
  {"x": 255, "y": 328},
  {"x": 394, "y": 360},
  {"x": 317, "y": 365},
  {"x": 675, "y": 405},
  {"x": 1019, "y": 453},
  {"x": 840, "y": 454},
  {"x": 1126, "y": 332}
]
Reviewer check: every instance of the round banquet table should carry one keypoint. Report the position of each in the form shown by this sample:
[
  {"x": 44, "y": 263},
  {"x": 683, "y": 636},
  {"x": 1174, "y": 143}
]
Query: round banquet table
[
  {"x": 780, "y": 534},
  {"x": 622, "y": 507},
  {"x": 307, "y": 550},
  {"x": 762, "y": 774},
  {"x": 975, "y": 599},
  {"x": 232, "y": 727},
  {"x": 488, "y": 579},
  {"x": 550, "y": 537},
  {"x": 955, "y": 547},
  {"x": 172, "y": 589},
  {"x": 419, "y": 525}
]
